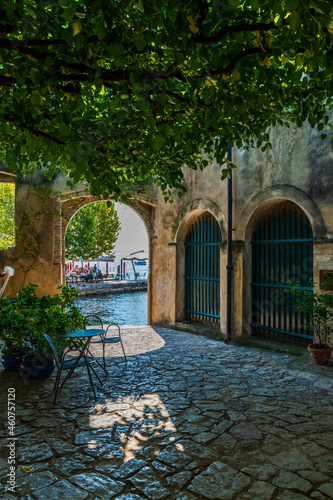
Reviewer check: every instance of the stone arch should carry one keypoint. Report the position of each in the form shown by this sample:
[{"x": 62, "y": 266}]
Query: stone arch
[
  {"x": 71, "y": 202},
  {"x": 260, "y": 203},
  {"x": 191, "y": 212},
  {"x": 252, "y": 215},
  {"x": 8, "y": 177}
]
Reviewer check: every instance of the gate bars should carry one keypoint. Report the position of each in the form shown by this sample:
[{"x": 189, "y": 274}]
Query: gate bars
[
  {"x": 282, "y": 249},
  {"x": 202, "y": 270}
]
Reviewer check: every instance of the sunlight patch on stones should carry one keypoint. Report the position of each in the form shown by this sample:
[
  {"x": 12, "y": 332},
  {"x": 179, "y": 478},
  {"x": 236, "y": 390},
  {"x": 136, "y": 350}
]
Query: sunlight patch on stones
[
  {"x": 119, "y": 429},
  {"x": 137, "y": 340}
]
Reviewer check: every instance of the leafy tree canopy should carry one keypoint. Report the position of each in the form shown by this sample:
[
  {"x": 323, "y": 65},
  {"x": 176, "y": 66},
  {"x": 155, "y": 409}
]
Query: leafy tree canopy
[
  {"x": 92, "y": 231},
  {"x": 124, "y": 91},
  {"x": 7, "y": 215}
]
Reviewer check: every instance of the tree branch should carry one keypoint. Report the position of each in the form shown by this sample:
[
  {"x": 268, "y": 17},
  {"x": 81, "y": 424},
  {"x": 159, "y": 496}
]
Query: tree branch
[
  {"x": 17, "y": 46},
  {"x": 31, "y": 129},
  {"x": 227, "y": 30},
  {"x": 5, "y": 29},
  {"x": 227, "y": 69},
  {"x": 39, "y": 43},
  {"x": 7, "y": 81},
  {"x": 202, "y": 11}
]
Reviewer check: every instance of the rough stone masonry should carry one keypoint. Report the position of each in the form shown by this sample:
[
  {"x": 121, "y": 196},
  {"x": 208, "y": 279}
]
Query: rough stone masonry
[{"x": 187, "y": 418}]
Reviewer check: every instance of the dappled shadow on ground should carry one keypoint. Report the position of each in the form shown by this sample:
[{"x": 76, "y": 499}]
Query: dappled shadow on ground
[{"x": 186, "y": 418}]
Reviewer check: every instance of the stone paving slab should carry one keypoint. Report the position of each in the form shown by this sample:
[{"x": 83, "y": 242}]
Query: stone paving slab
[{"x": 187, "y": 418}]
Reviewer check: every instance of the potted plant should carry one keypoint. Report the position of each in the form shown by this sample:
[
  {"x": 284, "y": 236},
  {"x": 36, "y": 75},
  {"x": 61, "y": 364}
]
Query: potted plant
[
  {"x": 27, "y": 320},
  {"x": 318, "y": 306},
  {"x": 12, "y": 324}
]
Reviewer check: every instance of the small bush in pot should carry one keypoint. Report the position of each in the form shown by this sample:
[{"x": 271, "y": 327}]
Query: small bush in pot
[
  {"x": 318, "y": 306},
  {"x": 13, "y": 329},
  {"x": 24, "y": 323}
]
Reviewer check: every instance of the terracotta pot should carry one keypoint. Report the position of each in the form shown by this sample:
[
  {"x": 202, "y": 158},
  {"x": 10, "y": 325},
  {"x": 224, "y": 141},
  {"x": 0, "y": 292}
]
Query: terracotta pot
[{"x": 320, "y": 356}]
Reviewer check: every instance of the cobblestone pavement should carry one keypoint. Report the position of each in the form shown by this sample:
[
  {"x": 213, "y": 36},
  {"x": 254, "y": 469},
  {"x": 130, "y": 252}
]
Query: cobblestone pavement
[{"x": 187, "y": 418}]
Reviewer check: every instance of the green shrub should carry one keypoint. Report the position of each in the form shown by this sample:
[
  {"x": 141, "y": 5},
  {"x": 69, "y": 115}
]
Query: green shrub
[
  {"x": 317, "y": 305},
  {"x": 24, "y": 322}
]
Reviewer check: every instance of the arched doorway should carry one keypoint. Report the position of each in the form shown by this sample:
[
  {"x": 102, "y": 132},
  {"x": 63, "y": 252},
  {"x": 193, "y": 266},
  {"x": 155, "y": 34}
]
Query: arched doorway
[
  {"x": 282, "y": 250},
  {"x": 202, "y": 270},
  {"x": 128, "y": 262}
]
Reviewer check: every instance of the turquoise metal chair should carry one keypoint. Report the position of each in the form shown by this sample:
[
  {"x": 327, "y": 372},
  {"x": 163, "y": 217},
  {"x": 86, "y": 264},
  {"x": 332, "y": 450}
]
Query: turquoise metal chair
[
  {"x": 68, "y": 366},
  {"x": 104, "y": 339}
]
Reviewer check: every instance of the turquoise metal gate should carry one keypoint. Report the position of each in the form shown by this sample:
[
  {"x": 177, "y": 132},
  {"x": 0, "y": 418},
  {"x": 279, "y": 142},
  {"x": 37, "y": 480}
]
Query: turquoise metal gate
[
  {"x": 202, "y": 270},
  {"x": 282, "y": 249}
]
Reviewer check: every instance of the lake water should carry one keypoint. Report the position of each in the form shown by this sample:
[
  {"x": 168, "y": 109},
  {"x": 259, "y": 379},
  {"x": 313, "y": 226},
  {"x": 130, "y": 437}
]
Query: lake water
[{"x": 122, "y": 308}]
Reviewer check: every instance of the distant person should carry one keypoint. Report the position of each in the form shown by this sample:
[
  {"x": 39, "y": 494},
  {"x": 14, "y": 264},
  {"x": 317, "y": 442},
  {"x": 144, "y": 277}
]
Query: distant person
[{"x": 89, "y": 277}]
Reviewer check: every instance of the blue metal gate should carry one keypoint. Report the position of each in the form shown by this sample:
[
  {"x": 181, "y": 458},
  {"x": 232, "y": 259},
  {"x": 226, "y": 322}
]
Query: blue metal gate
[
  {"x": 282, "y": 249},
  {"x": 202, "y": 270}
]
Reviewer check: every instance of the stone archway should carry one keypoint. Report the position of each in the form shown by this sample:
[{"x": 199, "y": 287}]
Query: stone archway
[
  {"x": 253, "y": 211},
  {"x": 67, "y": 207},
  {"x": 282, "y": 250},
  {"x": 196, "y": 210}
]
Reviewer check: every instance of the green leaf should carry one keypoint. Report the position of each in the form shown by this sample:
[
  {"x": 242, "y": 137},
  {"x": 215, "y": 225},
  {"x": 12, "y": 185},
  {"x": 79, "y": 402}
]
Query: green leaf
[
  {"x": 158, "y": 142},
  {"x": 294, "y": 20},
  {"x": 139, "y": 40},
  {"x": 68, "y": 14},
  {"x": 208, "y": 95},
  {"x": 100, "y": 29},
  {"x": 144, "y": 105}
]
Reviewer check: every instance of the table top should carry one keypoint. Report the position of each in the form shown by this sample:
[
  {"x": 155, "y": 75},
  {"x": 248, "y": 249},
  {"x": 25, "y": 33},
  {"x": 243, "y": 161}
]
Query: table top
[{"x": 76, "y": 334}]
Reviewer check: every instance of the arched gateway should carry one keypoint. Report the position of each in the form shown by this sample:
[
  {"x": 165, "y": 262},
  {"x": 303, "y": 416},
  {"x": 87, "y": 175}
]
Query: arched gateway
[
  {"x": 282, "y": 250},
  {"x": 202, "y": 270}
]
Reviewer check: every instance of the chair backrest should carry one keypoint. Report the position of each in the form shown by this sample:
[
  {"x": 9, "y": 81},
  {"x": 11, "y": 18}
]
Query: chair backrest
[
  {"x": 53, "y": 349},
  {"x": 92, "y": 319},
  {"x": 109, "y": 327}
]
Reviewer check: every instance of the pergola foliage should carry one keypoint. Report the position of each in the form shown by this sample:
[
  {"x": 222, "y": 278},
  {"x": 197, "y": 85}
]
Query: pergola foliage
[
  {"x": 120, "y": 92},
  {"x": 92, "y": 231}
]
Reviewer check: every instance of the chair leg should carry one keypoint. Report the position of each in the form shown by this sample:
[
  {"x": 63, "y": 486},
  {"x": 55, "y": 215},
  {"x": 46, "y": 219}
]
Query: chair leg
[
  {"x": 102, "y": 366},
  {"x": 103, "y": 345},
  {"x": 123, "y": 350},
  {"x": 90, "y": 378},
  {"x": 69, "y": 374},
  {"x": 57, "y": 386},
  {"x": 94, "y": 372},
  {"x": 56, "y": 382}
]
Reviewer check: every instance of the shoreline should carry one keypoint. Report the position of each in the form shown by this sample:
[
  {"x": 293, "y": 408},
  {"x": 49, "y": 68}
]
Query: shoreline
[{"x": 107, "y": 287}]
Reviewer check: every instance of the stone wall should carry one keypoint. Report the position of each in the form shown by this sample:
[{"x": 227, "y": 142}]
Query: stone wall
[
  {"x": 107, "y": 287},
  {"x": 45, "y": 224},
  {"x": 297, "y": 169}
]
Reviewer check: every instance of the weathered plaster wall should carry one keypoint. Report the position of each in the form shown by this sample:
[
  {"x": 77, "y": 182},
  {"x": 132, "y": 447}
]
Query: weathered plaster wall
[
  {"x": 49, "y": 221},
  {"x": 35, "y": 241},
  {"x": 298, "y": 168}
]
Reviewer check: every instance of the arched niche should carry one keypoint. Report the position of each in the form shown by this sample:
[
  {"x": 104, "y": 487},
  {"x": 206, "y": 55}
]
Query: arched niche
[
  {"x": 197, "y": 210},
  {"x": 274, "y": 236}
]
